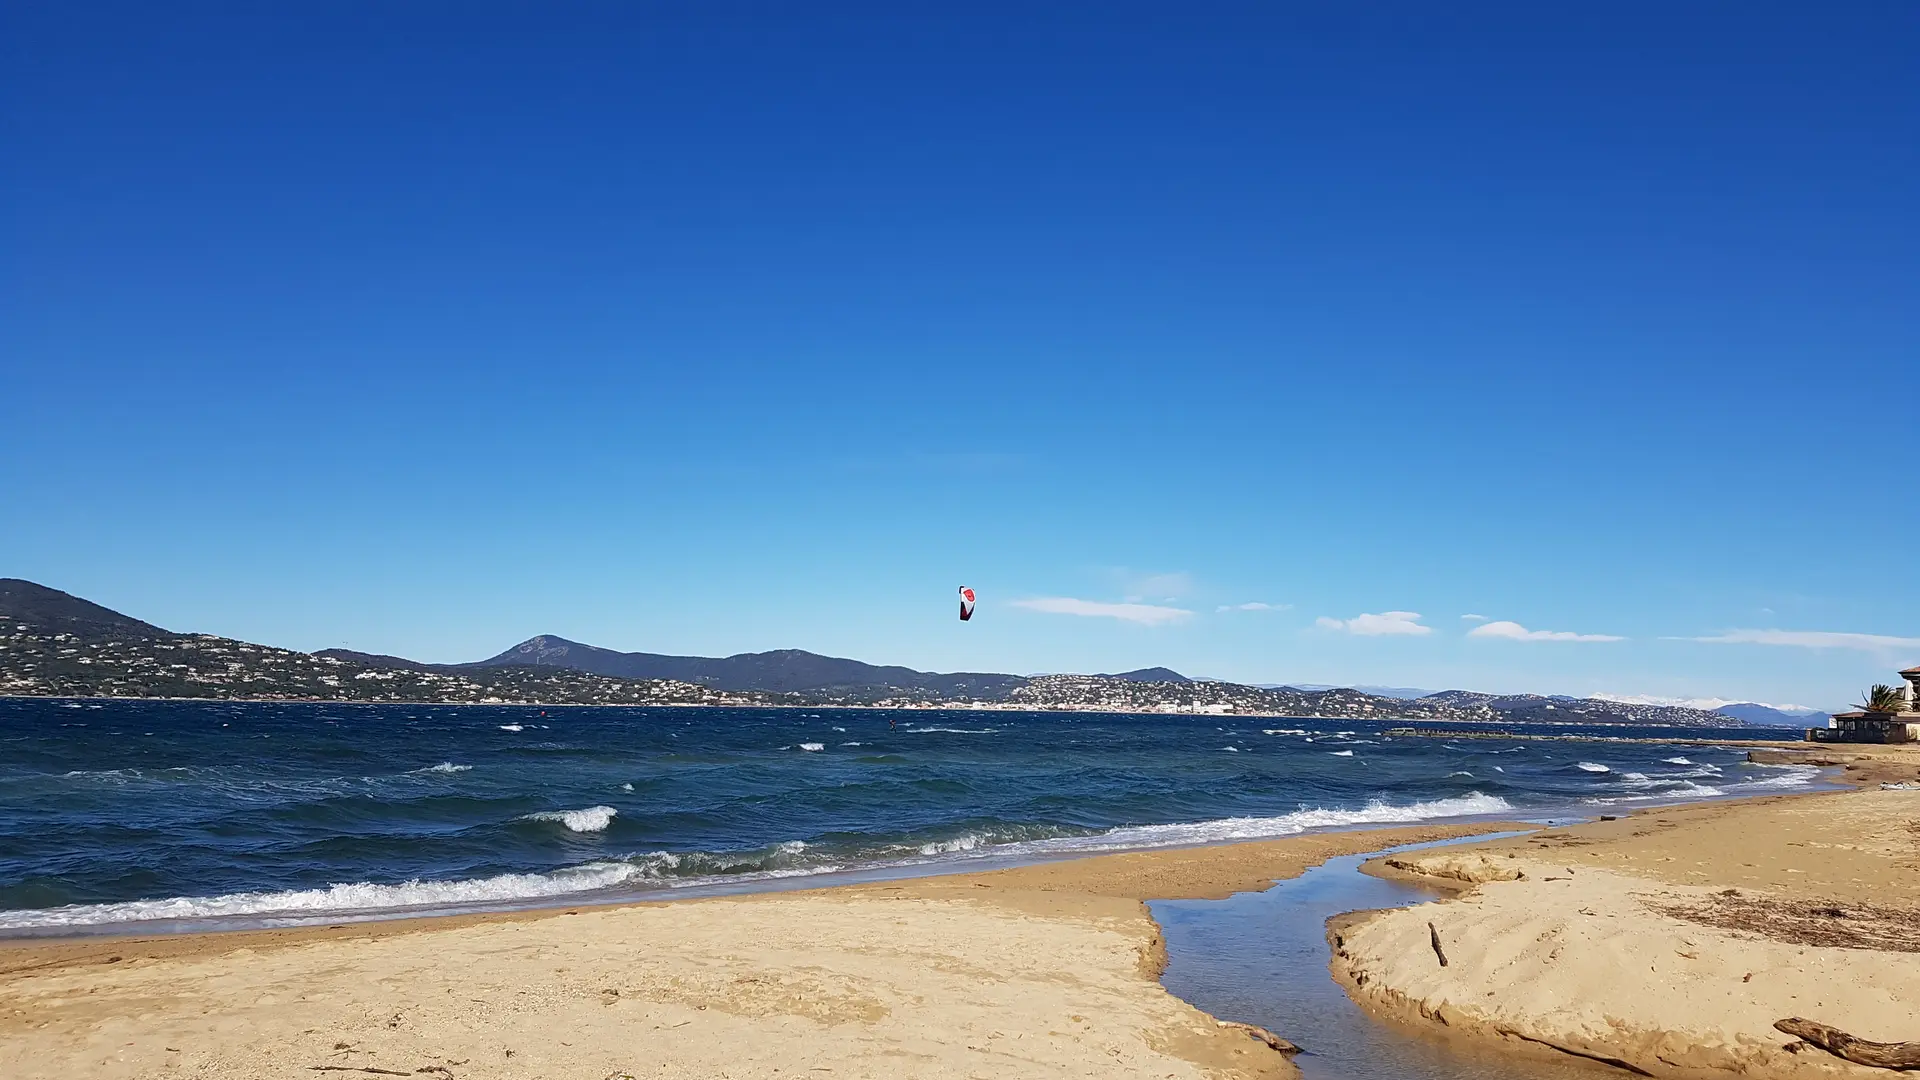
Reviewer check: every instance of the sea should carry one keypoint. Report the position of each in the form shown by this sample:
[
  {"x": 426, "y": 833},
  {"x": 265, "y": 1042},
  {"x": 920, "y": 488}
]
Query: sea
[{"x": 146, "y": 816}]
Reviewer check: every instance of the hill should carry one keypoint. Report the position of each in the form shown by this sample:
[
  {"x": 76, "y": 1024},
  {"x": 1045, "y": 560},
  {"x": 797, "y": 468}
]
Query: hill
[
  {"x": 1149, "y": 674},
  {"x": 1751, "y": 713},
  {"x": 39, "y": 609},
  {"x": 778, "y": 672},
  {"x": 56, "y": 644}
]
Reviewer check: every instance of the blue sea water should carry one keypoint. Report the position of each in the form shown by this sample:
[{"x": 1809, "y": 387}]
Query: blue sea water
[{"x": 129, "y": 815}]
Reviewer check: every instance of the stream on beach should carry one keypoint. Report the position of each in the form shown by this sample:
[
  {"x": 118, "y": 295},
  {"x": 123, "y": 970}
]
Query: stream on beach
[{"x": 1261, "y": 958}]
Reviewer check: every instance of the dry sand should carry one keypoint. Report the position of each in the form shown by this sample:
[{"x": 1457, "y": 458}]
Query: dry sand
[
  {"x": 1041, "y": 971},
  {"x": 1669, "y": 941}
]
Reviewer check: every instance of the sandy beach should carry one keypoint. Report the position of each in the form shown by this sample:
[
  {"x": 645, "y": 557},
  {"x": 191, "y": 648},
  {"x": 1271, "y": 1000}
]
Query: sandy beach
[
  {"x": 1047, "y": 970},
  {"x": 1669, "y": 941}
]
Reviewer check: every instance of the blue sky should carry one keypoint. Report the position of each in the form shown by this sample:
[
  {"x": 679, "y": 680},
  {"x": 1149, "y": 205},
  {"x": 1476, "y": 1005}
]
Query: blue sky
[{"x": 424, "y": 328}]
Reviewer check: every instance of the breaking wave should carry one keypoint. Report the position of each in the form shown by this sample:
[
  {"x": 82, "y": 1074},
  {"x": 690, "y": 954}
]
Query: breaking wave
[
  {"x": 335, "y": 900},
  {"x": 1592, "y": 766},
  {"x": 664, "y": 869},
  {"x": 591, "y": 819}
]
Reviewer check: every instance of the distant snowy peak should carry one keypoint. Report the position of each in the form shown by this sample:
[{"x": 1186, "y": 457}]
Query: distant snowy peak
[
  {"x": 1752, "y": 712},
  {"x": 1780, "y": 716}
]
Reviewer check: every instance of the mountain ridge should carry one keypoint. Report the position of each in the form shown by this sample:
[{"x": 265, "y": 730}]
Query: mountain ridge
[
  {"x": 55, "y": 644},
  {"x": 37, "y": 605}
]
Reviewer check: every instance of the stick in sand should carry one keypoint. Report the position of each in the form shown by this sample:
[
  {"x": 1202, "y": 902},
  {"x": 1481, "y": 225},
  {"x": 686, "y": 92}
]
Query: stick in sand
[
  {"x": 1901, "y": 1055},
  {"x": 1437, "y": 950}
]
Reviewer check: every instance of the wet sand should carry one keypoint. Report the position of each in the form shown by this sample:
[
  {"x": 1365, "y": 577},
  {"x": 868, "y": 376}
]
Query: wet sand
[
  {"x": 1669, "y": 941},
  {"x": 1049, "y": 970}
]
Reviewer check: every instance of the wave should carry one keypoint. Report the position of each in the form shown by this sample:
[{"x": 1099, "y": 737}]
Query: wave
[
  {"x": 590, "y": 819},
  {"x": 1231, "y": 749},
  {"x": 1795, "y": 776},
  {"x": 445, "y": 767},
  {"x": 335, "y": 899},
  {"x": 813, "y": 747},
  {"x": 953, "y": 730},
  {"x": 678, "y": 870},
  {"x": 512, "y": 727},
  {"x": 1341, "y": 753},
  {"x": 1283, "y": 731},
  {"x": 1592, "y": 766},
  {"x": 1676, "y": 761},
  {"x": 1377, "y": 812}
]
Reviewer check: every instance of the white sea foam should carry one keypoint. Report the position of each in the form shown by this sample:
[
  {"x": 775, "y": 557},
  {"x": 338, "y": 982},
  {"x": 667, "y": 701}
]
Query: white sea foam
[
  {"x": 1284, "y": 731},
  {"x": 1462, "y": 772},
  {"x": 840, "y": 729},
  {"x": 511, "y": 727},
  {"x": 1341, "y": 753},
  {"x": 627, "y": 786},
  {"x": 1231, "y": 749},
  {"x": 1793, "y": 776},
  {"x": 335, "y": 899},
  {"x": 445, "y": 767},
  {"x": 852, "y": 744},
  {"x": 1676, "y": 761},
  {"x": 1377, "y": 812},
  {"x": 813, "y": 747},
  {"x": 591, "y": 819},
  {"x": 1592, "y": 766},
  {"x": 954, "y": 730}
]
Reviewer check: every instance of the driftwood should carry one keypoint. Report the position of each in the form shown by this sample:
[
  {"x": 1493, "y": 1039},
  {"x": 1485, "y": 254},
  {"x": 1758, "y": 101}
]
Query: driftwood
[
  {"x": 1900, "y": 1055},
  {"x": 1276, "y": 1042},
  {"x": 1434, "y": 935}
]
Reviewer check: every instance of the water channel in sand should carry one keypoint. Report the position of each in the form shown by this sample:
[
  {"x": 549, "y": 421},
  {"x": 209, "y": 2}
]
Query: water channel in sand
[{"x": 1261, "y": 958}]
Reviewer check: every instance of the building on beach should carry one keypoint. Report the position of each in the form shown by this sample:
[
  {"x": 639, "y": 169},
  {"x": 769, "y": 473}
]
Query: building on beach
[{"x": 1875, "y": 726}]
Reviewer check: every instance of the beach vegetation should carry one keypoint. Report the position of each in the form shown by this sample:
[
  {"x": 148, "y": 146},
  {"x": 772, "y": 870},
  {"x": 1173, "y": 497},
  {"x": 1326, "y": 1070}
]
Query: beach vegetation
[{"x": 1881, "y": 698}]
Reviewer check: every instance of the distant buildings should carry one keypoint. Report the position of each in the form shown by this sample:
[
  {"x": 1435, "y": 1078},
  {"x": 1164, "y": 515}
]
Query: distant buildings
[{"x": 1897, "y": 723}]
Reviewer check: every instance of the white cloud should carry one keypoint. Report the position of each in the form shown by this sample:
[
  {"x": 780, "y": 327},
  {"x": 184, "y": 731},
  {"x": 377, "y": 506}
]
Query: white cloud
[
  {"x": 1513, "y": 631},
  {"x": 1137, "y": 587},
  {"x": 1253, "y": 605},
  {"x": 1811, "y": 639},
  {"x": 1474, "y": 618},
  {"x": 1145, "y": 614},
  {"x": 1385, "y": 623}
]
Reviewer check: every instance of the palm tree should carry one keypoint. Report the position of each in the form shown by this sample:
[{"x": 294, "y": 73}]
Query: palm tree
[{"x": 1884, "y": 699}]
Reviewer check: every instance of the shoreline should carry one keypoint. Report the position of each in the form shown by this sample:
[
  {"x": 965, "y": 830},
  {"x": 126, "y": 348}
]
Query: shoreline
[
  {"x": 1059, "y": 959},
  {"x": 988, "y": 861},
  {"x": 1027, "y": 937},
  {"x": 957, "y": 707},
  {"x": 1666, "y": 942}
]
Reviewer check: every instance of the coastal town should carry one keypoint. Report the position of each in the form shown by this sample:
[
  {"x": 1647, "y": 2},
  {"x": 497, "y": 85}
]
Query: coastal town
[{"x": 55, "y": 645}]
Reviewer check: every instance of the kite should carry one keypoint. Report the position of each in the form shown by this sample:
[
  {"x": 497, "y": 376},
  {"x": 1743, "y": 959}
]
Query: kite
[{"x": 966, "y": 603}]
